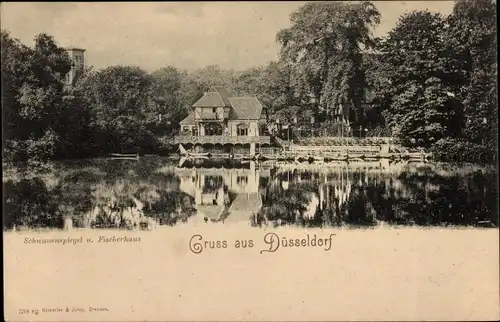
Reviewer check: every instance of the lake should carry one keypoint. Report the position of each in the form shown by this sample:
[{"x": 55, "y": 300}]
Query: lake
[{"x": 154, "y": 191}]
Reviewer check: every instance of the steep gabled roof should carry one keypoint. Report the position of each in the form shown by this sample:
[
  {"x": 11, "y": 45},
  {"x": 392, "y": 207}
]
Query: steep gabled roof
[
  {"x": 216, "y": 96},
  {"x": 224, "y": 94},
  {"x": 209, "y": 100},
  {"x": 188, "y": 120},
  {"x": 245, "y": 108}
]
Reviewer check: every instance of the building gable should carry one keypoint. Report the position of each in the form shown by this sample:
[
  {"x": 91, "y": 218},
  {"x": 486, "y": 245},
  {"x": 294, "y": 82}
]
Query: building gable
[
  {"x": 215, "y": 97},
  {"x": 209, "y": 100},
  {"x": 245, "y": 108},
  {"x": 223, "y": 93},
  {"x": 188, "y": 120}
]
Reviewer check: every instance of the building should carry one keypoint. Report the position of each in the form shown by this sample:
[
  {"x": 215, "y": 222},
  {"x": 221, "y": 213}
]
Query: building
[
  {"x": 220, "y": 123},
  {"x": 78, "y": 64},
  {"x": 232, "y": 195}
]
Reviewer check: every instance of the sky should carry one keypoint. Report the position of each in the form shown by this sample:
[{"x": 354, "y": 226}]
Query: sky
[{"x": 151, "y": 35}]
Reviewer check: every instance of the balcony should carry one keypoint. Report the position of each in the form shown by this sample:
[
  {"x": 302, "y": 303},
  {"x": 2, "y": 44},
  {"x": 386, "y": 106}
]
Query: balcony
[
  {"x": 209, "y": 116},
  {"x": 221, "y": 139}
]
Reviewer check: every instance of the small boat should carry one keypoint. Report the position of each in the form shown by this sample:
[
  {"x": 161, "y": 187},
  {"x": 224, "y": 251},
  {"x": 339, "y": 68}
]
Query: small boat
[
  {"x": 199, "y": 155},
  {"x": 129, "y": 156},
  {"x": 194, "y": 155}
]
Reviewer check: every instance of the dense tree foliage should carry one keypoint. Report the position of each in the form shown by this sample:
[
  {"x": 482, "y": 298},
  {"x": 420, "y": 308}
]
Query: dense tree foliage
[
  {"x": 431, "y": 82},
  {"x": 32, "y": 95},
  {"x": 436, "y": 80},
  {"x": 324, "y": 48},
  {"x": 421, "y": 106},
  {"x": 472, "y": 36}
]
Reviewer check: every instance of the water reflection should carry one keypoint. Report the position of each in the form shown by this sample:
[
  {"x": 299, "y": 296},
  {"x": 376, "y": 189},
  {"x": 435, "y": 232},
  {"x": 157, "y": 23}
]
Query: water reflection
[{"x": 153, "y": 191}]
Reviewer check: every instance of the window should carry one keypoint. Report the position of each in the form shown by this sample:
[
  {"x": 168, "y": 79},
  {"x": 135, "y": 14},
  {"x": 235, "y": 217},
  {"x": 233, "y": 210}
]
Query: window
[
  {"x": 214, "y": 110},
  {"x": 195, "y": 131},
  {"x": 242, "y": 129},
  {"x": 242, "y": 132},
  {"x": 241, "y": 180},
  {"x": 213, "y": 129}
]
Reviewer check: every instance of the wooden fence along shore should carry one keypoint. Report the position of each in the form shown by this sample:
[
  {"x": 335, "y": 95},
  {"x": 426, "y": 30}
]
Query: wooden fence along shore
[
  {"x": 378, "y": 148},
  {"x": 318, "y": 150}
]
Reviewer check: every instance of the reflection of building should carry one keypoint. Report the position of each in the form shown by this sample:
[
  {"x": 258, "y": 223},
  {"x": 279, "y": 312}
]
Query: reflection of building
[
  {"x": 220, "y": 192},
  {"x": 220, "y": 123},
  {"x": 78, "y": 64}
]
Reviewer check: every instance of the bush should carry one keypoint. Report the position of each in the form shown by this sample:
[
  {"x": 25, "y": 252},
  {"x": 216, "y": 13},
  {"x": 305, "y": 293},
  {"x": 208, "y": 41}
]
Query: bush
[
  {"x": 43, "y": 148},
  {"x": 379, "y": 131},
  {"x": 459, "y": 150},
  {"x": 15, "y": 150}
]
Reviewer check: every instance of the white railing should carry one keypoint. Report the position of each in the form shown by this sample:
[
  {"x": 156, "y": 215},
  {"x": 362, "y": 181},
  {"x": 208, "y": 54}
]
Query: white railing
[{"x": 221, "y": 139}]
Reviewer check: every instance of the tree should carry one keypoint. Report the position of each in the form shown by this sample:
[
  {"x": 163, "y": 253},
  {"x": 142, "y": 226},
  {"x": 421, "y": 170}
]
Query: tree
[
  {"x": 472, "y": 38},
  {"x": 118, "y": 91},
  {"x": 417, "y": 80},
  {"x": 246, "y": 81},
  {"x": 375, "y": 105},
  {"x": 74, "y": 127},
  {"x": 211, "y": 76},
  {"x": 323, "y": 47},
  {"x": 32, "y": 91},
  {"x": 166, "y": 84},
  {"x": 273, "y": 87},
  {"x": 174, "y": 92},
  {"x": 121, "y": 108},
  {"x": 15, "y": 69}
]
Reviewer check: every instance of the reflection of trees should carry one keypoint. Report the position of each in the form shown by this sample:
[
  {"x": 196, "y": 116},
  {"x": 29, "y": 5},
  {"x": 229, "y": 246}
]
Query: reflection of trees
[
  {"x": 356, "y": 211},
  {"x": 124, "y": 202},
  {"x": 421, "y": 198},
  {"x": 286, "y": 206},
  {"x": 382, "y": 197},
  {"x": 458, "y": 199},
  {"x": 103, "y": 194},
  {"x": 168, "y": 207},
  {"x": 427, "y": 198},
  {"x": 28, "y": 203}
]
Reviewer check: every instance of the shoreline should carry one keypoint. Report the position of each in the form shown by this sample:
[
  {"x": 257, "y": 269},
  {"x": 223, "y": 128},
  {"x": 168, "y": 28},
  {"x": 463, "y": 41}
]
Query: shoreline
[{"x": 244, "y": 226}]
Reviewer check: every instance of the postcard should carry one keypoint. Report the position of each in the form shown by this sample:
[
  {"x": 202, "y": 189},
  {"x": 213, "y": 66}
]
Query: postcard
[{"x": 250, "y": 161}]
